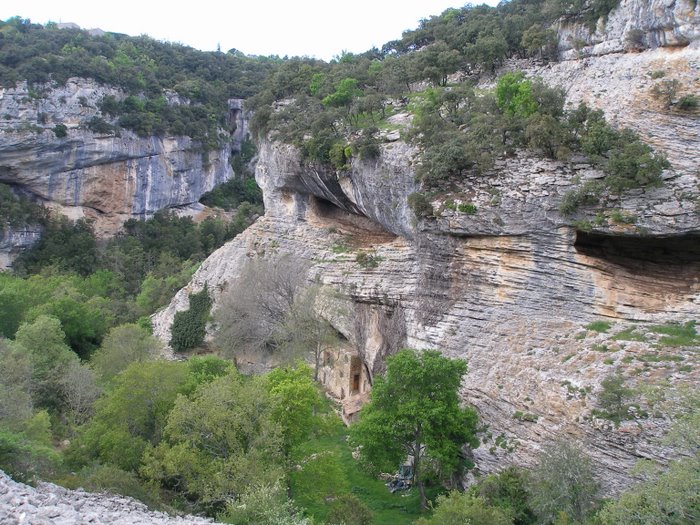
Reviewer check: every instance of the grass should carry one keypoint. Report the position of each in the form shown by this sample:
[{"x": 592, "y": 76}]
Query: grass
[
  {"x": 388, "y": 509},
  {"x": 598, "y": 326},
  {"x": 677, "y": 334},
  {"x": 629, "y": 334}
]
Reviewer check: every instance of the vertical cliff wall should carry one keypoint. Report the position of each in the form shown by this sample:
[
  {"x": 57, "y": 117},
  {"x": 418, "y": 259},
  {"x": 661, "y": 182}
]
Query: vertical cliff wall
[
  {"x": 512, "y": 288},
  {"x": 106, "y": 177}
]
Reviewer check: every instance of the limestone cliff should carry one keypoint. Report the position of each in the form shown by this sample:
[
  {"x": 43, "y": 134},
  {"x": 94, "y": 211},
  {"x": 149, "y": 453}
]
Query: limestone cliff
[
  {"x": 511, "y": 287},
  {"x": 633, "y": 25},
  {"x": 106, "y": 177}
]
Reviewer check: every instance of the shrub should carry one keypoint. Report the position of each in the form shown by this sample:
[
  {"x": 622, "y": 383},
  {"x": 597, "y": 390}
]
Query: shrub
[
  {"x": 420, "y": 204},
  {"x": 99, "y": 125},
  {"x": 598, "y": 326},
  {"x": 60, "y": 130},
  {"x": 467, "y": 207},
  {"x": 666, "y": 91},
  {"x": 368, "y": 260},
  {"x": 634, "y": 165},
  {"x": 688, "y": 102},
  {"x": 612, "y": 398},
  {"x": 588, "y": 193},
  {"x": 189, "y": 326}
]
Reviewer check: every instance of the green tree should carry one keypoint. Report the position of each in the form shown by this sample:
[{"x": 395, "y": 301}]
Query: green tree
[
  {"x": 219, "y": 444},
  {"x": 563, "y": 481},
  {"x": 507, "y": 490},
  {"x": 122, "y": 346},
  {"x": 297, "y": 401},
  {"x": 459, "y": 508},
  {"x": 514, "y": 95},
  {"x": 414, "y": 412},
  {"x": 50, "y": 357},
  {"x": 131, "y": 415},
  {"x": 613, "y": 396},
  {"x": 15, "y": 386}
]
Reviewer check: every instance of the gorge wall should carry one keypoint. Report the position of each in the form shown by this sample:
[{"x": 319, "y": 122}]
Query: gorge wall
[
  {"x": 512, "y": 287},
  {"x": 108, "y": 177}
]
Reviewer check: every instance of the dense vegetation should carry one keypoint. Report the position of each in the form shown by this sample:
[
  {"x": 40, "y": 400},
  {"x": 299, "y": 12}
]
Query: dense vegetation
[
  {"x": 77, "y": 361},
  {"x": 147, "y": 70},
  {"x": 334, "y": 112}
]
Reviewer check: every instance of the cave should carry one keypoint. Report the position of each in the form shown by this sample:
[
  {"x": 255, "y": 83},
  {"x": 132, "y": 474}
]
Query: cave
[
  {"x": 352, "y": 223},
  {"x": 672, "y": 259}
]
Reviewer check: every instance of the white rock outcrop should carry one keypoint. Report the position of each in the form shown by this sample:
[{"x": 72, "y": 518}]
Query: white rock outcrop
[{"x": 49, "y": 504}]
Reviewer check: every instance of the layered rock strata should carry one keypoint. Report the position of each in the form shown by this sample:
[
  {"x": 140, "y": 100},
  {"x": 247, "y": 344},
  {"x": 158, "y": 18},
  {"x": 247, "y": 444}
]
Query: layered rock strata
[
  {"x": 106, "y": 177},
  {"x": 511, "y": 285}
]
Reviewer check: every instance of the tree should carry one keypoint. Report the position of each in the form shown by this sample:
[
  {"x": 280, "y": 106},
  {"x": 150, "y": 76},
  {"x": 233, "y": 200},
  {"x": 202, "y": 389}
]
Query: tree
[
  {"x": 131, "y": 415},
  {"x": 507, "y": 491},
  {"x": 563, "y": 482},
  {"x": 50, "y": 357},
  {"x": 220, "y": 443},
  {"x": 305, "y": 331},
  {"x": 123, "y": 345},
  {"x": 414, "y": 412},
  {"x": 514, "y": 95},
  {"x": 15, "y": 386},
  {"x": 80, "y": 391},
  {"x": 296, "y": 402},
  {"x": 612, "y": 397},
  {"x": 272, "y": 307}
]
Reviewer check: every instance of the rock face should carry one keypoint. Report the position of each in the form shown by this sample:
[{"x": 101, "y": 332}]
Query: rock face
[
  {"x": 511, "y": 287},
  {"x": 634, "y": 24},
  {"x": 49, "y": 504},
  {"x": 107, "y": 178},
  {"x": 13, "y": 241}
]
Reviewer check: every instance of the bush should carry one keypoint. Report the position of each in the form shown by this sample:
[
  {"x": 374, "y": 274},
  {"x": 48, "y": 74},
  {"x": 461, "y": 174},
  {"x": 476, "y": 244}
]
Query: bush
[
  {"x": 60, "y": 130},
  {"x": 112, "y": 479},
  {"x": 25, "y": 459},
  {"x": 420, "y": 204},
  {"x": 588, "y": 193},
  {"x": 189, "y": 326},
  {"x": 688, "y": 102},
  {"x": 634, "y": 165}
]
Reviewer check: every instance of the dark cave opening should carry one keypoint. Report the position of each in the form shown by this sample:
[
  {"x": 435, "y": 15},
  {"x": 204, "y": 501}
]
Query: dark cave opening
[
  {"x": 672, "y": 259},
  {"x": 678, "y": 250}
]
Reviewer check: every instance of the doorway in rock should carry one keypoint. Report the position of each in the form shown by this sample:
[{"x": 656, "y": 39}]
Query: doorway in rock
[{"x": 355, "y": 375}]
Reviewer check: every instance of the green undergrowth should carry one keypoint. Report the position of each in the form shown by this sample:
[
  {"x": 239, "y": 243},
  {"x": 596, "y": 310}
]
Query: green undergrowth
[
  {"x": 338, "y": 473},
  {"x": 677, "y": 334}
]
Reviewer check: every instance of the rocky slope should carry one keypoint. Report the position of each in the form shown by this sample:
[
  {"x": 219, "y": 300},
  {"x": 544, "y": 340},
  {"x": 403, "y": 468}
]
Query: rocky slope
[
  {"x": 49, "y": 504},
  {"x": 105, "y": 177},
  {"x": 512, "y": 287}
]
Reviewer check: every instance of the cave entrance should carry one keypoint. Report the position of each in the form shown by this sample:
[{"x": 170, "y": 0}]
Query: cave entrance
[{"x": 661, "y": 261}]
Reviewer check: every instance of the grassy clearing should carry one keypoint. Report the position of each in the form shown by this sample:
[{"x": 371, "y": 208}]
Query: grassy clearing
[{"x": 337, "y": 472}]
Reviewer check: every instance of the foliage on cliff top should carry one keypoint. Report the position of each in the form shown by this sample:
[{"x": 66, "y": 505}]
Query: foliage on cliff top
[{"x": 144, "y": 68}]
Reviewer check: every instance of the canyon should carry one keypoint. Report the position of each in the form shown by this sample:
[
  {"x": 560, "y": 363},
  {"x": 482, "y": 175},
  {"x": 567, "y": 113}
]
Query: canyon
[{"x": 514, "y": 287}]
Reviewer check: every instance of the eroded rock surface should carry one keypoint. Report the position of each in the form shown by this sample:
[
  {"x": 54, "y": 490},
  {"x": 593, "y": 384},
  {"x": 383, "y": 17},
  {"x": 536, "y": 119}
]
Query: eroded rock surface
[
  {"x": 105, "y": 177},
  {"x": 49, "y": 504}
]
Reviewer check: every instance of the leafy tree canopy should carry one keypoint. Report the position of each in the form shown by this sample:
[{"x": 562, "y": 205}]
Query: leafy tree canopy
[{"x": 414, "y": 412}]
